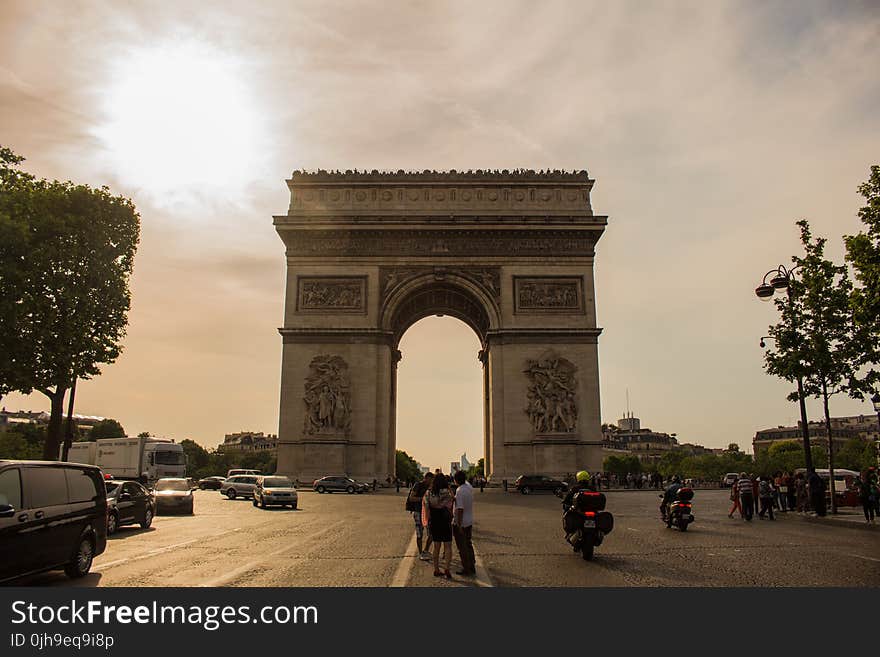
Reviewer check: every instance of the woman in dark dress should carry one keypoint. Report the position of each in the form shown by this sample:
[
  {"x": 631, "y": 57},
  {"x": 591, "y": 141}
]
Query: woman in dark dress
[{"x": 440, "y": 503}]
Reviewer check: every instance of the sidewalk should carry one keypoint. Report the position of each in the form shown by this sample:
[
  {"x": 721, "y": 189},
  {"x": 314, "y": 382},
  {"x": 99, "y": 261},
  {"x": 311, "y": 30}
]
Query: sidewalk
[{"x": 848, "y": 517}]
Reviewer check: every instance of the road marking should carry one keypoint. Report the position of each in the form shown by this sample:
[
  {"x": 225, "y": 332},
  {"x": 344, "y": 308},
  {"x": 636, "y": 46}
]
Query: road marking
[
  {"x": 404, "y": 568},
  {"x": 241, "y": 570},
  {"x": 162, "y": 550},
  {"x": 632, "y": 529},
  {"x": 859, "y": 556},
  {"x": 482, "y": 578}
]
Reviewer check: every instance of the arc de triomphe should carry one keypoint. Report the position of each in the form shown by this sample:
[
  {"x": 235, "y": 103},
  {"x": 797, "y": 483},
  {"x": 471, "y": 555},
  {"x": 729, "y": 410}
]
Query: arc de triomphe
[{"x": 508, "y": 252}]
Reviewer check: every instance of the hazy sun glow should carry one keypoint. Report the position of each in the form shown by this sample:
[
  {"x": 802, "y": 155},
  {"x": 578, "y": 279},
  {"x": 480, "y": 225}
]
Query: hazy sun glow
[{"x": 180, "y": 117}]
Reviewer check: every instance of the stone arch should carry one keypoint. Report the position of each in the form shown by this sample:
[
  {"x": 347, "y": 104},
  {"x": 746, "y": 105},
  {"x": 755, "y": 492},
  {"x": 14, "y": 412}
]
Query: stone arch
[{"x": 431, "y": 294}]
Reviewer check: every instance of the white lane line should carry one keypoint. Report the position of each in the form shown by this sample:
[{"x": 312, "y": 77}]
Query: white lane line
[
  {"x": 162, "y": 550},
  {"x": 482, "y": 579},
  {"x": 404, "y": 568},
  {"x": 632, "y": 529},
  {"x": 241, "y": 570},
  {"x": 859, "y": 556}
]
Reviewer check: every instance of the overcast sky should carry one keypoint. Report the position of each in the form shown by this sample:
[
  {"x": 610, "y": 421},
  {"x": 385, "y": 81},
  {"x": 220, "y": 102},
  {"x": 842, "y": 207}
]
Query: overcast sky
[{"x": 709, "y": 127}]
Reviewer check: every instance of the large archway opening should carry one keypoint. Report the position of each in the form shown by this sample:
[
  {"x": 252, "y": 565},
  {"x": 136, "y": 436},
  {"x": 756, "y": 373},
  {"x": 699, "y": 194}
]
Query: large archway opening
[{"x": 440, "y": 393}]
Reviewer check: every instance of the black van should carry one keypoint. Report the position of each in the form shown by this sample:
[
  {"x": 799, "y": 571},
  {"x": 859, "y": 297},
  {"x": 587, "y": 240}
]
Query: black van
[{"x": 52, "y": 515}]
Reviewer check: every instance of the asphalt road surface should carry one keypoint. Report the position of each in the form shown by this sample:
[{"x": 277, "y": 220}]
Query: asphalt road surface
[{"x": 368, "y": 540}]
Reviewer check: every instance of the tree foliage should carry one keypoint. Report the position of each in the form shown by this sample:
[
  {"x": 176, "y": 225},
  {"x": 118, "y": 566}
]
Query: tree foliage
[
  {"x": 66, "y": 255},
  {"x": 863, "y": 253},
  {"x": 107, "y": 428},
  {"x": 407, "y": 468}
]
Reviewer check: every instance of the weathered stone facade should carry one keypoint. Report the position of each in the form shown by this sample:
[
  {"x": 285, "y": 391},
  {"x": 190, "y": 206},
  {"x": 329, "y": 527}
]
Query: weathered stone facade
[{"x": 510, "y": 253}]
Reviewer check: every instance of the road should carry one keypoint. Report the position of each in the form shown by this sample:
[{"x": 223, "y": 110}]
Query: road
[{"x": 367, "y": 540}]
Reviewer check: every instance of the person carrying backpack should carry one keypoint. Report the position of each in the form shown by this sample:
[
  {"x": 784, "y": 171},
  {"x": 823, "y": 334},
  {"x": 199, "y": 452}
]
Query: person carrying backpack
[{"x": 414, "y": 506}]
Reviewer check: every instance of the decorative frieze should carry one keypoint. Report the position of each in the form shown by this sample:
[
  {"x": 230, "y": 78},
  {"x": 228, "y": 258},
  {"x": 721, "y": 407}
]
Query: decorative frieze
[
  {"x": 327, "y": 396},
  {"x": 333, "y": 294},
  {"x": 553, "y": 294},
  {"x": 552, "y": 394},
  {"x": 438, "y": 243}
]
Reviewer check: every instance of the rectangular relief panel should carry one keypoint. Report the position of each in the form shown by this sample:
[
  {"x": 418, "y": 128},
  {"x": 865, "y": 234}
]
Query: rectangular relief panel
[
  {"x": 548, "y": 294},
  {"x": 330, "y": 295}
]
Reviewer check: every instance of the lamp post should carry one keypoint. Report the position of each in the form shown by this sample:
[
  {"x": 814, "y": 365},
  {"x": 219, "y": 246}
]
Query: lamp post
[{"x": 765, "y": 291}]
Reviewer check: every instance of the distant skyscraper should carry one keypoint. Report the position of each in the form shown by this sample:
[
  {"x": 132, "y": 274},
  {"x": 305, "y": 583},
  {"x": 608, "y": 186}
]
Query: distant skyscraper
[{"x": 465, "y": 464}]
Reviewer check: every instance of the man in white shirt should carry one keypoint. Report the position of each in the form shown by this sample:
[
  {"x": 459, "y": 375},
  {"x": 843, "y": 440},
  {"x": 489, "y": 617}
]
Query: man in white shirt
[{"x": 462, "y": 524}]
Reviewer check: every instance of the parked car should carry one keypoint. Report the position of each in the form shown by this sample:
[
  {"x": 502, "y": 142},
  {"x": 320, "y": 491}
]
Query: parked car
[
  {"x": 332, "y": 483},
  {"x": 52, "y": 515},
  {"x": 211, "y": 483},
  {"x": 128, "y": 503},
  {"x": 527, "y": 484},
  {"x": 174, "y": 495},
  {"x": 239, "y": 471},
  {"x": 729, "y": 479},
  {"x": 275, "y": 489},
  {"x": 239, "y": 486}
]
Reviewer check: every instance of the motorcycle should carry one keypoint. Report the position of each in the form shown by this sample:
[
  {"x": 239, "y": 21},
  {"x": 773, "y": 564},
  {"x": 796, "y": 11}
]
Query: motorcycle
[
  {"x": 586, "y": 523},
  {"x": 679, "y": 512}
]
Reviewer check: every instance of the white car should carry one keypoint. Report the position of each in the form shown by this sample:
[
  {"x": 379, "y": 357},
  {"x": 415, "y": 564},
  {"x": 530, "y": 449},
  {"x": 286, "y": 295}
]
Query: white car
[
  {"x": 275, "y": 489},
  {"x": 239, "y": 486}
]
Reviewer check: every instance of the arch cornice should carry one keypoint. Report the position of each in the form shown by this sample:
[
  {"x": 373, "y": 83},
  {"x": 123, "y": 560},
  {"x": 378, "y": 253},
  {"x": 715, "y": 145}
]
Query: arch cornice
[{"x": 392, "y": 321}]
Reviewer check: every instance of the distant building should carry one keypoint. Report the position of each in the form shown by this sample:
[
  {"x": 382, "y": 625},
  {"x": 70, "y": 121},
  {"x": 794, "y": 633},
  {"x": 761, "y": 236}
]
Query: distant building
[
  {"x": 249, "y": 441},
  {"x": 465, "y": 464},
  {"x": 41, "y": 418},
  {"x": 842, "y": 429},
  {"x": 628, "y": 437}
]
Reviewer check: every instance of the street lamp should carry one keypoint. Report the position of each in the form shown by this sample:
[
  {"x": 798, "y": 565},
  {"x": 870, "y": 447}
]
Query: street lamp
[{"x": 765, "y": 291}]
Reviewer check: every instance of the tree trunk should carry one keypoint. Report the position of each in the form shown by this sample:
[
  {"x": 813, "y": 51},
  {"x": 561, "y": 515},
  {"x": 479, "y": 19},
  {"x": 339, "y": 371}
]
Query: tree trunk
[
  {"x": 53, "y": 432},
  {"x": 68, "y": 431},
  {"x": 830, "y": 446}
]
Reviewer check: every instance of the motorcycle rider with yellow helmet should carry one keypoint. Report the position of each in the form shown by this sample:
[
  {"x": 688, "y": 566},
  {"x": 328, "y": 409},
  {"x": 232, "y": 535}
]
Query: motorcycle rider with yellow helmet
[{"x": 583, "y": 481}]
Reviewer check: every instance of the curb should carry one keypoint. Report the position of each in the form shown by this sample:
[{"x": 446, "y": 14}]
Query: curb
[{"x": 831, "y": 521}]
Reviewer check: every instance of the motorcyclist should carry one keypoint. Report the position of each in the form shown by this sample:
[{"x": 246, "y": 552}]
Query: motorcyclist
[
  {"x": 670, "y": 495},
  {"x": 583, "y": 481}
]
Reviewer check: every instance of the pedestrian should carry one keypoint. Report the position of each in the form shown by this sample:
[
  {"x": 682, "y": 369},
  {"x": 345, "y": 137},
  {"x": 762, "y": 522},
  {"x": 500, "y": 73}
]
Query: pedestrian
[
  {"x": 816, "y": 486},
  {"x": 734, "y": 496},
  {"x": 765, "y": 492},
  {"x": 777, "y": 484},
  {"x": 440, "y": 503},
  {"x": 397, "y": 484},
  {"x": 800, "y": 493},
  {"x": 746, "y": 496},
  {"x": 867, "y": 495},
  {"x": 463, "y": 524},
  {"x": 755, "y": 497},
  {"x": 375, "y": 483},
  {"x": 414, "y": 506},
  {"x": 482, "y": 483}
]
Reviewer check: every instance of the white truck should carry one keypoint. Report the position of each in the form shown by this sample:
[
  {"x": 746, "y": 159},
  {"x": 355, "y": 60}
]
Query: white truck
[{"x": 132, "y": 458}]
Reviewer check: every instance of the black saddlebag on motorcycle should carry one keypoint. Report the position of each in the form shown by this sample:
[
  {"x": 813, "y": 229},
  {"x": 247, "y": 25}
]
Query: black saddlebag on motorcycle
[
  {"x": 685, "y": 494},
  {"x": 589, "y": 501},
  {"x": 604, "y": 522}
]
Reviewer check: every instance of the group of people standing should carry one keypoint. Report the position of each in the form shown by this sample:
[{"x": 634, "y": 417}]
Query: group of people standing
[
  {"x": 782, "y": 492},
  {"x": 446, "y": 510}
]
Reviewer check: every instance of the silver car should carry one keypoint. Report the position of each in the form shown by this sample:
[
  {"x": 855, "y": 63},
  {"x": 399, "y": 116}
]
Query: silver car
[
  {"x": 239, "y": 486},
  {"x": 275, "y": 489}
]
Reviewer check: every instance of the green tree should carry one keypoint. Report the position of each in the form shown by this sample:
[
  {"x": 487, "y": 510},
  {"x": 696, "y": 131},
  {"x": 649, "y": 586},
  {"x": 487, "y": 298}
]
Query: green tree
[
  {"x": 857, "y": 454},
  {"x": 406, "y": 467},
  {"x": 107, "y": 428},
  {"x": 477, "y": 470},
  {"x": 817, "y": 339},
  {"x": 66, "y": 255},
  {"x": 863, "y": 253},
  {"x": 197, "y": 458},
  {"x": 144, "y": 434},
  {"x": 23, "y": 441}
]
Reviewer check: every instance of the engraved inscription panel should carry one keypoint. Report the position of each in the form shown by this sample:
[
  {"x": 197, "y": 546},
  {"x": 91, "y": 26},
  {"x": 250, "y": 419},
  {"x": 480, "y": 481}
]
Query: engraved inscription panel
[
  {"x": 331, "y": 294},
  {"x": 553, "y": 294}
]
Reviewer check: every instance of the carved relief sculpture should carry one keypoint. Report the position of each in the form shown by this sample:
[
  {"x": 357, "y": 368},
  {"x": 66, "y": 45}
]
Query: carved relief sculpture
[
  {"x": 552, "y": 401},
  {"x": 331, "y": 294},
  {"x": 548, "y": 294},
  {"x": 327, "y": 396}
]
